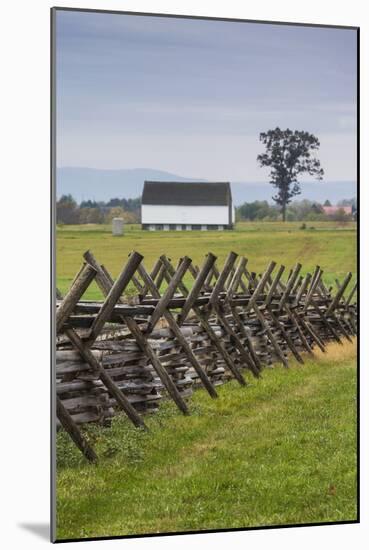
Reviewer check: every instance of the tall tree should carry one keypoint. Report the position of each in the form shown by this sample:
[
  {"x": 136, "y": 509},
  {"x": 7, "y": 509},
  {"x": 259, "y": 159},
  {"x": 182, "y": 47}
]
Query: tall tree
[
  {"x": 289, "y": 154},
  {"x": 67, "y": 210}
]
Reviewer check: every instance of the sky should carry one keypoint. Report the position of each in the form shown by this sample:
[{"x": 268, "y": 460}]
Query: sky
[{"x": 192, "y": 96}]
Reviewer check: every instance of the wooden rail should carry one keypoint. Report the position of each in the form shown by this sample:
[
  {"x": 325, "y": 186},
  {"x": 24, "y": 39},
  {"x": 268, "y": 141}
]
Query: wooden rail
[{"x": 128, "y": 354}]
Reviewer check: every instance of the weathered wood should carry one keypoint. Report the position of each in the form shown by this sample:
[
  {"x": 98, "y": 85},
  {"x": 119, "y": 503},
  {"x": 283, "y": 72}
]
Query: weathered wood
[
  {"x": 229, "y": 278},
  {"x": 193, "y": 270},
  {"x": 249, "y": 343},
  {"x": 178, "y": 334},
  {"x": 162, "y": 373},
  {"x": 206, "y": 326},
  {"x": 74, "y": 355},
  {"x": 219, "y": 285},
  {"x": 274, "y": 285},
  {"x": 114, "y": 294},
  {"x": 314, "y": 286},
  {"x": 271, "y": 336},
  {"x": 76, "y": 291},
  {"x": 142, "y": 342},
  {"x": 237, "y": 342},
  {"x": 105, "y": 378},
  {"x": 313, "y": 334},
  {"x": 168, "y": 294},
  {"x": 309, "y": 302},
  {"x": 221, "y": 314},
  {"x": 137, "y": 284},
  {"x": 351, "y": 295},
  {"x": 297, "y": 284},
  {"x": 302, "y": 289},
  {"x": 339, "y": 295},
  {"x": 213, "y": 274},
  {"x": 291, "y": 281},
  {"x": 154, "y": 273},
  {"x": 236, "y": 281},
  {"x": 119, "y": 309},
  {"x": 286, "y": 336},
  {"x": 196, "y": 288},
  {"x": 254, "y": 320},
  {"x": 260, "y": 286},
  {"x": 71, "y": 428},
  {"x": 294, "y": 318}
]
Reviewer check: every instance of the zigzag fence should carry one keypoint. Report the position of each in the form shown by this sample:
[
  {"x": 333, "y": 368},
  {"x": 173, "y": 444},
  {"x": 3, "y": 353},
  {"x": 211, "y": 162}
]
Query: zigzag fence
[{"x": 127, "y": 354}]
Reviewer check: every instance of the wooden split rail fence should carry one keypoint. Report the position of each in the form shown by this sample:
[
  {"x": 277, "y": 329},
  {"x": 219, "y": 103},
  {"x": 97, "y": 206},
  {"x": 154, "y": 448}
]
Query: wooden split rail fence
[{"x": 127, "y": 353}]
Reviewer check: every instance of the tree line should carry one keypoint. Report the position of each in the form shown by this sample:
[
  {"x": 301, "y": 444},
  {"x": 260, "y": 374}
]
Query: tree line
[
  {"x": 304, "y": 210},
  {"x": 69, "y": 212}
]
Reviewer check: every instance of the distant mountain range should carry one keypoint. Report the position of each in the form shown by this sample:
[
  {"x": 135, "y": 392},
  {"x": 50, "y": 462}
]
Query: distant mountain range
[{"x": 102, "y": 185}]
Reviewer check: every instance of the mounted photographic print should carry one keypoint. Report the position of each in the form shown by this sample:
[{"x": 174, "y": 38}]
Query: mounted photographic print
[{"x": 204, "y": 177}]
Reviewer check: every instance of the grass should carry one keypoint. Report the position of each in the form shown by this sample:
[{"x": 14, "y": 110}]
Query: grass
[
  {"x": 328, "y": 244},
  {"x": 280, "y": 451}
]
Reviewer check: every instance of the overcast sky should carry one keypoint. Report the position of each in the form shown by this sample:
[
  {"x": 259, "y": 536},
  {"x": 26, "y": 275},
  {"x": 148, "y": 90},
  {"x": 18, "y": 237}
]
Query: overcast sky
[{"x": 191, "y": 96}]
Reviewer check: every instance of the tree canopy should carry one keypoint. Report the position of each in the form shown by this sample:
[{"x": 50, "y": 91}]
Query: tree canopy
[{"x": 288, "y": 154}]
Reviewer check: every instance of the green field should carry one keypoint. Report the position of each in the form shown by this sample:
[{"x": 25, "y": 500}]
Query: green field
[
  {"x": 328, "y": 244},
  {"x": 281, "y": 450}
]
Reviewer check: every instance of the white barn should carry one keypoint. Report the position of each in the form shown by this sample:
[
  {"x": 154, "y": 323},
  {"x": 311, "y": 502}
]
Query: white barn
[{"x": 186, "y": 206}]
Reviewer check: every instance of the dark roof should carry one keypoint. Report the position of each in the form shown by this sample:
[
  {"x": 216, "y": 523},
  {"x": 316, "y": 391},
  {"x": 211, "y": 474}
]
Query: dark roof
[{"x": 187, "y": 193}]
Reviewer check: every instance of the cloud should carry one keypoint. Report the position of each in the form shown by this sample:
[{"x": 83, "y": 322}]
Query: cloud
[{"x": 192, "y": 96}]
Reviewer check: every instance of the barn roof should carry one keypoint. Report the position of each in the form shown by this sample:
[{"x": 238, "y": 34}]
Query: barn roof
[{"x": 187, "y": 193}]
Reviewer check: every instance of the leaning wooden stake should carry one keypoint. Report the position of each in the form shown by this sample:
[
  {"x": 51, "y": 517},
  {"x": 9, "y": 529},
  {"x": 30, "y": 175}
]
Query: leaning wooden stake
[
  {"x": 198, "y": 285},
  {"x": 309, "y": 302},
  {"x": 74, "y": 432},
  {"x": 164, "y": 300},
  {"x": 294, "y": 318},
  {"x": 215, "y": 305},
  {"x": 274, "y": 317},
  {"x": 206, "y": 326},
  {"x": 259, "y": 314},
  {"x": 235, "y": 283},
  {"x": 339, "y": 295},
  {"x": 143, "y": 344},
  {"x": 113, "y": 295},
  {"x": 78, "y": 288},
  {"x": 111, "y": 386},
  {"x": 178, "y": 334}
]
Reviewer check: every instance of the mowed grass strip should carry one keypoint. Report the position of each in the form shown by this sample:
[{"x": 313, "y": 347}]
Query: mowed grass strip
[
  {"x": 280, "y": 451},
  {"x": 330, "y": 245}
]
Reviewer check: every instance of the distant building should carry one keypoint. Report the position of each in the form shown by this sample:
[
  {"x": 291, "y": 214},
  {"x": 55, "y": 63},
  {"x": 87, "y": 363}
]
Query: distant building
[
  {"x": 332, "y": 210},
  {"x": 186, "y": 206}
]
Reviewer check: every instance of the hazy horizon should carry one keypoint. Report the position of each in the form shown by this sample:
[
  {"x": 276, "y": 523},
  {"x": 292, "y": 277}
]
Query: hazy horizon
[
  {"x": 97, "y": 184},
  {"x": 245, "y": 182}
]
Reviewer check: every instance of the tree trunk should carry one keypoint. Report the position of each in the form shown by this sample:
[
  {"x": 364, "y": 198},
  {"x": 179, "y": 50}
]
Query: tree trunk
[{"x": 284, "y": 212}]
